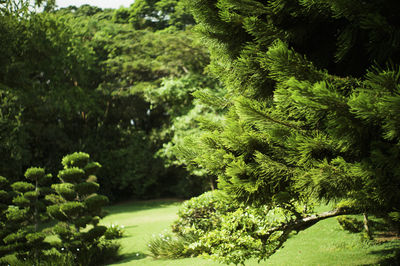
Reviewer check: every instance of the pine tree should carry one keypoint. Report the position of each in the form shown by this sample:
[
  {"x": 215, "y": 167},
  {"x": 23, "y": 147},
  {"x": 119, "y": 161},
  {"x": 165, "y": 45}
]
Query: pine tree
[
  {"x": 77, "y": 206},
  {"x": 24, "y": 210},
  {"x": 313, "y": 107},
  {"x": 4, "y": 202}
]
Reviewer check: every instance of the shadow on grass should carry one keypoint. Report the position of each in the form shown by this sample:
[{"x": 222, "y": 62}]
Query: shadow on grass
[
  {"x": 134, "y": 206},
  {"x": 127, "y": 257},
  {"x": 390, "y": 254}
]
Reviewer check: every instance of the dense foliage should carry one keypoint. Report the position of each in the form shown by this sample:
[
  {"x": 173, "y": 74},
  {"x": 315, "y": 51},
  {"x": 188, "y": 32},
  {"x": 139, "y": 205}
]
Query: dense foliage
[
  {"x": 295, "y": 102},
  {"x": 313, "y": 94},
  {"x": 68, "y": 212},
  {"x": 90, "y": 80}
]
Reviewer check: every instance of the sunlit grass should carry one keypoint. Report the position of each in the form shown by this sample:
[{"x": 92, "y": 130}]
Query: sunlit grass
[{"x": 323, "y": 244}]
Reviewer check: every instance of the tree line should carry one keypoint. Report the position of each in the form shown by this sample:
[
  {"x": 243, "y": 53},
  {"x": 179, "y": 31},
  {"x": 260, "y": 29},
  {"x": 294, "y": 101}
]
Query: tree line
[{"x": 116, "y": 84}]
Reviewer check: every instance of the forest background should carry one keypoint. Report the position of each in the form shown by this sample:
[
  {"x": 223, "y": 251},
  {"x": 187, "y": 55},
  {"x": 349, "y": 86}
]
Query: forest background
[{"x": 116, "y": 84}]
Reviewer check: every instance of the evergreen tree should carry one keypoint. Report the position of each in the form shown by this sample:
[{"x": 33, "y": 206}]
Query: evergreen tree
[
  {"x": 20, "y": 231},
  {"x": 4, "y": 202},
  {"x": 77, "y": 206},
  {"x": 313, "y": 101}
]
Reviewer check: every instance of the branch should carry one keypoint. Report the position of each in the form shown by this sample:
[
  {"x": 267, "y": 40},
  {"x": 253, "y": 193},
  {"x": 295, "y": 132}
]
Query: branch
[
  {"x": 299, "y": 224},
  {"x": 306, "y": 222}
]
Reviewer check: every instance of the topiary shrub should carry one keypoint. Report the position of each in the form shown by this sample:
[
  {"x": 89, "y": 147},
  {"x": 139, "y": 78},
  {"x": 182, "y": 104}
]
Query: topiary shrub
[
  {"x": 78, "y": 209},
  {"x": 20, "y": 234}
]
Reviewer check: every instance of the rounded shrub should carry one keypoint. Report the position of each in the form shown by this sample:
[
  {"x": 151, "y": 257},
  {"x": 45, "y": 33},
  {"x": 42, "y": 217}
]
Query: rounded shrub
[
  {"x": 201, "y": 214},
  {"x": 65, "y": 190},
  {"x": 76, "y": 159},
  {"x": 22, "y": 187},
  {"x": 72, "y": 175},
  {"x": 34, "y": 173}
]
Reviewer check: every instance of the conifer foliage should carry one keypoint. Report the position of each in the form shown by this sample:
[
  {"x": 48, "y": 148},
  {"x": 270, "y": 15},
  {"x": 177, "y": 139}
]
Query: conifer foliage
[
  {"x": 25, "y": 210},
  {"x": 76, "y": 205},
  {"x": 68, "y": 211},
  {"x": 312, "y": 107}
]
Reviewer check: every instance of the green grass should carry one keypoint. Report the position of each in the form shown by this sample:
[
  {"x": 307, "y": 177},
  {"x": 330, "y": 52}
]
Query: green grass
[{"x": 323, "y": 244}]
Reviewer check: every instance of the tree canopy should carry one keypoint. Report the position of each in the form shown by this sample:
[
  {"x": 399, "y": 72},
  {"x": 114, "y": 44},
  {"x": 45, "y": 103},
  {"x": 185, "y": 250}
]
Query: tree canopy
[
  {"x": 89, "y": 81},
  {"x": 311, "y": 108}
]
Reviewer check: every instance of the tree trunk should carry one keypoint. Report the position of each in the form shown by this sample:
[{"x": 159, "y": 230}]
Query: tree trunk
[{"x": 366, "y": 226}]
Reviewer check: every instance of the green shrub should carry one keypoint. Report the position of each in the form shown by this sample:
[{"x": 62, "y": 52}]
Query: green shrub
[
  {"x": 22, "y": 187},
  {"x": 65, "y": 190},
  {"x": 201, "y": 214},
  {"x": 114, "y": 231},
  {"x": 350, "y": 224},
  {"x": 168, "y": 246},
  {"x": 78, "y": 209},
  {"x": 72, "y": 175},
  {"x": 212, "y": 226},
  {"x": 196, "y": 217},
  {"x": 103, "y": 252},
  {"x": 34, "y": 173},
  {"x": 76, "y": 159}
]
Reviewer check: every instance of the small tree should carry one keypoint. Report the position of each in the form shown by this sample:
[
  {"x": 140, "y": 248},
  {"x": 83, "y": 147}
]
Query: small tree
[
  {"x": 4, "y": 202},
  {"x": 77, "y": 206},
  {"x": 22, "y": 215}
]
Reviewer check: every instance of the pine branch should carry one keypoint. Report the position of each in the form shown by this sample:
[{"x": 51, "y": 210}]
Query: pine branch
[
  {"x": 306, "y": 222},
  {"x": 249, "y": 112},
  {"x": 299, "y": 224}
]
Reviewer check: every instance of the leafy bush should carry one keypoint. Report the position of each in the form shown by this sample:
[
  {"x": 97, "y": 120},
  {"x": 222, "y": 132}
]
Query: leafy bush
[
  {"x": 350, "y": 224},
  {"x": 77, "y": 159},
  {"x": 201, "y": 214},
  {"x": 213, "y": 226},
  {"x": 196, "y": 217},
  {"x": 102, "y": 253},
  {"x": 170, "y": 246},
  {"x": 114, "y": 231}
]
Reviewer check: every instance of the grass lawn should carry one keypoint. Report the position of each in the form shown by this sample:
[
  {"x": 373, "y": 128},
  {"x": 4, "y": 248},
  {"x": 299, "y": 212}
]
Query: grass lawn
[{"x": 323, "y": 244}]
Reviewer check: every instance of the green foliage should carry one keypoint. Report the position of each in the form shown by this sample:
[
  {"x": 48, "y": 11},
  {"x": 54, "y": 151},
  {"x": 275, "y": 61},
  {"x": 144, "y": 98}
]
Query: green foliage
[
  {"x": 78, "y": 209},
  {"x": 156, "y": 14},
  {"x": 20, "y": 230},
  {"x": 201, "y": 214},
  {"x": 73, "y": 175},
  {"x": 34, "y": 173},
  {"x": 75, "y": 160},
  {"x": 114, "y": 231},
  {"x": 311, "y": 114},
  {"x": 213, "y": 226},
  {"x": 65, "y": 190},
  {"x": 105, "y": 252},
  {"x": 87, "y": 188},
  {"x": 169, "y": 246},
  {"x": 350, "y": 224},
  {"x": 22, "y": 187},
  {"x": 89, "y": 81},
  {"x": 96, "y": 202}
]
